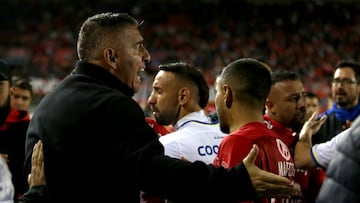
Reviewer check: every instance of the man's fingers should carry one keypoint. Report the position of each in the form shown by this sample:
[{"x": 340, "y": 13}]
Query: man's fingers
[
  {"x": 267, "y": 183},
  {"x": 37, "y": 155},
  {"x": 273, "y": 180},
  {"x": 37, "y": 176},
  {"x": 29, "y": 178},
  {"x": 276, "y": 190},
  {"x": 273, "y": 185},
  {"x": 314, "y": 116},
  {"x": 250, "y": 158}
]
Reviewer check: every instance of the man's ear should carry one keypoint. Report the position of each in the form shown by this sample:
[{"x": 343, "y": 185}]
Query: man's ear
[
  {"x": 110, "y": 56},
  {"x": 228, "y": 96},
  {"x": 184, "y": 95},
  {"x": 268, "y": 104},
  {"x": 11, "y": 91}
]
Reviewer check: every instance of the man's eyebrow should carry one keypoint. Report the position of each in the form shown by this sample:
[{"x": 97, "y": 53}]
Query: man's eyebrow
[{"x": 294, "y": 94}]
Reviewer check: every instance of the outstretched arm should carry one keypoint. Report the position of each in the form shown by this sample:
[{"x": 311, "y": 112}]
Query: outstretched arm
[
  {"x": 302, "y": 157},
  {"x": 267, "y": 183}
]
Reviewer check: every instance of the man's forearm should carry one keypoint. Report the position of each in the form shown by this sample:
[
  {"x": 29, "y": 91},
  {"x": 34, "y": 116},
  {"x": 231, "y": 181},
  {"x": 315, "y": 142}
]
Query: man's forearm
[{"x": 302, "y": 157}]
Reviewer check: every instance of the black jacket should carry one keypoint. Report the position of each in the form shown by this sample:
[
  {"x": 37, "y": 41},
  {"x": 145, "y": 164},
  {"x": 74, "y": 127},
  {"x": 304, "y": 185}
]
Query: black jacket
[
  {"x": 328, "y": 130},
  {"x": 343, "y": 174},
  {"x": 35, "y": 194},
  {"x": 98, "y": 146}
]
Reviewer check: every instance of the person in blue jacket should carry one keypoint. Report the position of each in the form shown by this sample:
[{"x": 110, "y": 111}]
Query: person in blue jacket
[{"x": 345, "y": 89}]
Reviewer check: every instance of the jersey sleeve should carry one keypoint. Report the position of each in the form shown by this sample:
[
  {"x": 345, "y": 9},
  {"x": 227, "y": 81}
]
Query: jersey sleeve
[{"x": 323, "y": 153}]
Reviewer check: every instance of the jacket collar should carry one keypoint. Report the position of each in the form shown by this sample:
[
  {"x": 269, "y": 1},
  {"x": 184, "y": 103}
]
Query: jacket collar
[{"x": 101, "y": 75}]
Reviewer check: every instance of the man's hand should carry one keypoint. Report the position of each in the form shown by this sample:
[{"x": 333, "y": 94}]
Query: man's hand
[
  {"x": 37, "y": 175},
  {"x": 267, "y": 183},
  {"x": 311, "y": 126}
]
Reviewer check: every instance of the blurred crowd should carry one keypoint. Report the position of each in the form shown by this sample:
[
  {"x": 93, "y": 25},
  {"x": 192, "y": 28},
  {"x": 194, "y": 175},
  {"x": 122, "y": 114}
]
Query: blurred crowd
[{"x": 38, "y": 39}]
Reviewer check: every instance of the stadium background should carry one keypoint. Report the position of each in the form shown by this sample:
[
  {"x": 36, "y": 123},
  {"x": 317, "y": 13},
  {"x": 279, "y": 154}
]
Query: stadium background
[{"x": 38, "y": 37}]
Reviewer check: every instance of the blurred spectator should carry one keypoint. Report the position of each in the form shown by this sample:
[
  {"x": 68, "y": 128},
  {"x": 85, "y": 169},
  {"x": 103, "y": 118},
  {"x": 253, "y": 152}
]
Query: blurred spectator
[
  {"x": 312, "y": 104},
  {"x": 302, "y": 36},
  {"x": 21, "y": 93},
  {"x": 345, "y": 88},
  {"x": 13, "y": 126}
]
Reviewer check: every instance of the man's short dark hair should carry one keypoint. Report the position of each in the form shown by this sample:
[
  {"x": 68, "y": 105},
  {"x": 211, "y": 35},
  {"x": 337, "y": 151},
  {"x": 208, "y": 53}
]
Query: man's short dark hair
[{"x": 192, "y": 74}]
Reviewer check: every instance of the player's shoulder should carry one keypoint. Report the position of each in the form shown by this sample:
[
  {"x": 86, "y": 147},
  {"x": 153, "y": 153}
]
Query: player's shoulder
[{"x": 171, "y": 137}]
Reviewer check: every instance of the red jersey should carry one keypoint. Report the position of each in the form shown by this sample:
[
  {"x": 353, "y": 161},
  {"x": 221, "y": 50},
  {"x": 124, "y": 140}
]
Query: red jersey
[
  {"x": 309, "y": 180},
  {"x": 274, "y": 155},
  {"x": 159, "y": 129},
  {"x": 287, "y": 134}
]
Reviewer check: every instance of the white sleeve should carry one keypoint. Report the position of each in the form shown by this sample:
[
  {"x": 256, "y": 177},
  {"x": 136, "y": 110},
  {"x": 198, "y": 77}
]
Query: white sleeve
[{"x": 322, "y": 153}]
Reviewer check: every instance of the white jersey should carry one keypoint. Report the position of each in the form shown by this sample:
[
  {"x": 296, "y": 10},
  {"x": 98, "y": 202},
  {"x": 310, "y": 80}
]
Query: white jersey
[
  {"x": 195, "y": 138},
  {"x": 322, "y": 153},
  {"x": 6, "y": 186}
]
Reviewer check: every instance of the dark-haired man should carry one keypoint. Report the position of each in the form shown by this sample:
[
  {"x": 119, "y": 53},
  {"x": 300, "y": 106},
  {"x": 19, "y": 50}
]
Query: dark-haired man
[
  {"x": 241, "y": 92},
  {"x": 180, "y": 94},
  {"x": 285, "y": 115},
  {"x": 345, "y": 89}
]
